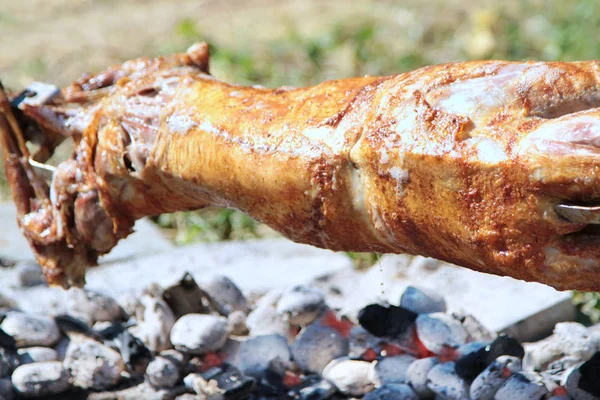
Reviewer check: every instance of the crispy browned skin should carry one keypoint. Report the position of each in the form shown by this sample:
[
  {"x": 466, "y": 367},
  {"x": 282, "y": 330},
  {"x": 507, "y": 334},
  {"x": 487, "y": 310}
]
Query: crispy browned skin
[{"x": 463, "y": 162}]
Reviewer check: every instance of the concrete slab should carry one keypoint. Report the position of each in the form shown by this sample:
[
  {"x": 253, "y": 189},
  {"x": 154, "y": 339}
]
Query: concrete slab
[
  {"x": 501, "y": 304},
  {"x": 147, "y": 239},
  {"x": 255, "y": 265}
]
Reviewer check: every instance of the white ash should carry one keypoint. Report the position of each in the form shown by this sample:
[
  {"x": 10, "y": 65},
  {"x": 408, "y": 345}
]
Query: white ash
[
  {"x": 36, "y": 354},
  {"x": 93, "y": 365},
  {"x": 416, "y": 375},
  {"x": 237, "y": 323},
  {"x": 40, "y": 379},
  {"x": 487, "y": 383},
  {"x": 199, "y": 333},
  {"x": 422, "y": 301},
  {"x": 30, "y": 330},
  {"x": 391, "y": 369},
  {"x": 264, "y": 320},
  {"x": 440, "y": 331},
  {"x": 156, "y": 320},
  {"x": 392, "y": 391},
  {"x": 256, "y": 354},
  {"x": 301, "y": 304},
  {"x": 162, "y": 373},
  {"x": 444, "y": 381},
  {"x": 568, "y": 339},
  {"x": 351, "y": 377},
  {"x": 316, "y": 346},
  {"x": 224, "y": 291}
]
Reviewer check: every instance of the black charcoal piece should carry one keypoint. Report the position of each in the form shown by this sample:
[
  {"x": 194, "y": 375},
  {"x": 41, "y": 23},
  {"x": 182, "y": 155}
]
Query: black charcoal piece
[
  {"x": 234, "y": 384},
  {"x": 382, "y": 321},
  {"x": 504, "y": 345},
  {"x": 590, "y": 375},
  {"x": 472, "y": 364},
  {"x": 7, "y": 341}
]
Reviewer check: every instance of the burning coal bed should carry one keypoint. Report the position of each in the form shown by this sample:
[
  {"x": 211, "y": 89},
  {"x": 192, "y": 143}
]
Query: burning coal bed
[{"x": 210, "y": 342}]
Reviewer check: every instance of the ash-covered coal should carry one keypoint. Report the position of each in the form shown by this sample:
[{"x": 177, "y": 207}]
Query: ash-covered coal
[{"x": 186, "y": 341}]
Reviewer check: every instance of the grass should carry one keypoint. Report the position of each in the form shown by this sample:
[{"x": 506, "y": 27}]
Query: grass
[{"x": 383, "y": 38}]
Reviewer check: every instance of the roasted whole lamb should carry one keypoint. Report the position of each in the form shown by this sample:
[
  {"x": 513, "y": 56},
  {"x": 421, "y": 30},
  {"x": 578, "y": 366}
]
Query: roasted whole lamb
[{"x": 482, "y": 164}]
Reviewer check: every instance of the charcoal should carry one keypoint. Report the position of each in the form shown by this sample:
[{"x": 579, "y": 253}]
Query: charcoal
[
  {"x": 590, "y": 373},
  {"x": 472, "y": 364},
  {"x": 313, "y": 387},
  {"x": 390, "y": 321},
  {"x": 232, "y": 383},
  {"x": 185, "y": 297},
  {"x": 504, "y": 345},
  {"x": 135, "y": 354},
  {"x": 69, "y": 324},
  {"x": 7, "y": 341}
]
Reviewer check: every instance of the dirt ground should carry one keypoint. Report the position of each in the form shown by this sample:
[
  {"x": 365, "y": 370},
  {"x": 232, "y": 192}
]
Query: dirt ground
[{"x": 57, "y": 40}]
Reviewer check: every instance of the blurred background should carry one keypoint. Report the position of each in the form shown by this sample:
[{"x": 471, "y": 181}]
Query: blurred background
[{"x": 296, "y": 42}]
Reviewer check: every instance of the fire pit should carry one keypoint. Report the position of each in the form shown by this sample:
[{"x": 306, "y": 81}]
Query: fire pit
[{"x": 208, "y": 339}]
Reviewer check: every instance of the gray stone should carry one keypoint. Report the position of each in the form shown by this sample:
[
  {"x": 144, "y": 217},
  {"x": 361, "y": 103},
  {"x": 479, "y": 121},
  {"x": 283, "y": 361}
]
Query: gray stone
[
  {"x": 317, "y": 346},
  {"x": 416, "y": 375},
  {"x": 257, "y": 353},
  {"x": 40, "y": 379},
  {"x": 422, "y": 301},
  {"x": 94, "y": 306},
  {"x": 37, "y": 354},
  {"x": 351, "y": 377},
  {"x": 155, "y": 325},
  {"x": 392, "y": 391},
  {"x": 224, "y": 291},
  {"x": 438, "y": 331},
  {"x": 6, "y": 389},
  {"x": 92, "y": 364},
  {"x": 30, "y": 274},
  {"x": 30, "y": 330},
  {"x": 199, "y": 333},
  {"x": 521, "y": 386},
  {"x": 444, "y": 382},
  {"x": 391, "y": 369},
  {"x": 162, "y": 373},
  {"x": 237, "y": 323},
  {"x": 487, "y": 383},
  {"x": 301, "y": 304}
]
